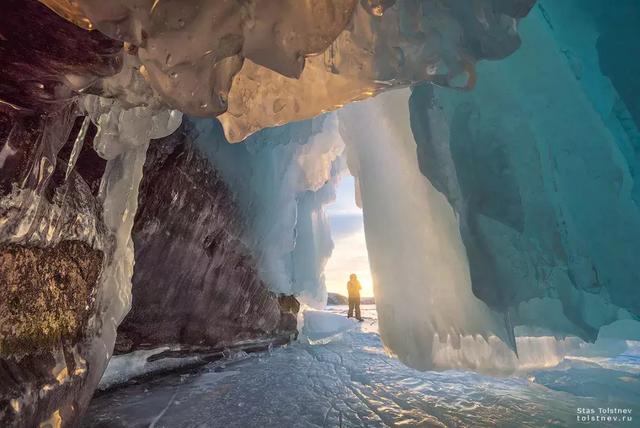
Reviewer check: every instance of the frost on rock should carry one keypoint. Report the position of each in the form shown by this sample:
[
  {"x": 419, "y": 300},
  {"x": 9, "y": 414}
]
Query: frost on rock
[
  {"x": 281, "y": 178},
  {"x": 260, "y": 64},
  {"x": 122, "y": 138},
  {"x": 52, "y": 237}
]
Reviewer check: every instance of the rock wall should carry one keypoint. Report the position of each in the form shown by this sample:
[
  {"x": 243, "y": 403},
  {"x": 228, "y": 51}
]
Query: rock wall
[
  {"x": 48, "y": 306},
  {"x": 195, "y": 282},
  {"x": 53, "y": 242},
  {"x": 65, "y": 216},
  {"x": 281, "y": 179}
]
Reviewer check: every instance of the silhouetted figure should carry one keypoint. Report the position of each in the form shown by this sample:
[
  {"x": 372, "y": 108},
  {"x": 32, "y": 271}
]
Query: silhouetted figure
[{"x": 354, "y": 287}]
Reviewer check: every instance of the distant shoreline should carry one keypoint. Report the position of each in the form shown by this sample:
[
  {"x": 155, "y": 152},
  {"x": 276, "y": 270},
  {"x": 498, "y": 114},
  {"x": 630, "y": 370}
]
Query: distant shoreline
[{"x": 335, "y": 299}]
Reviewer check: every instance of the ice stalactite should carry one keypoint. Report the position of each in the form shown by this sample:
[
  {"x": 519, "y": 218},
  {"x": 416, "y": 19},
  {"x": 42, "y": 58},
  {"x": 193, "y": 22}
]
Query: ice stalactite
[
  {"x": 122, "y": 139},
  {"x": 314, "y": 244},
  {"x": 319, "y": 160},
  {"x": 28, "y": 216},
  {"x": 281, "y": 178}
]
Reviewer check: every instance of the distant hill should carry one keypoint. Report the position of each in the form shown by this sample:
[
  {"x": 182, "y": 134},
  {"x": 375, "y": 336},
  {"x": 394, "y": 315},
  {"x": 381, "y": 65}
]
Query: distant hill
[{"x": 339, "y": 299}]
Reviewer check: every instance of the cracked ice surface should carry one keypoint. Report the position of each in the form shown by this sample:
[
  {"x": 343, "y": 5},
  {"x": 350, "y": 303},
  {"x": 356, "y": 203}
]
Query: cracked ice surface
[{"x": 351, "y": 379}]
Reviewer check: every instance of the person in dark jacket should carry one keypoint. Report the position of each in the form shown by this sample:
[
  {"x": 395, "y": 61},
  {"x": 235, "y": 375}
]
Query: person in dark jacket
[{"x": 354, "y": 287}]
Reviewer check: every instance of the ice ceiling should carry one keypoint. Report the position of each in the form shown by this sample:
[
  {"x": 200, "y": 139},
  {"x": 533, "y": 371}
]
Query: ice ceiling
[
  {"x": 517, "y": 217},
  {"x": 262, "y": 63}
]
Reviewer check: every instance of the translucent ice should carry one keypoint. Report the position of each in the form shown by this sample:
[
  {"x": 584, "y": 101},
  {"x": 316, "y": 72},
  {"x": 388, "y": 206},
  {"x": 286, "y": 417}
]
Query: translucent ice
[
  {"x": 122, "y": 138},
  {"x": 281, "y": 179},
  {"x": 410, "y": 42},
  {"x": 418, "y": 261},
  {"x": 272, "y": 62},
  {"x": 322, "y": 327}
]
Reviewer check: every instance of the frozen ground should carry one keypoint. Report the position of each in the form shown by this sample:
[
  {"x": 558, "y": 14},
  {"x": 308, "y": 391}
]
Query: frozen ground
[{"x": 348, "y": 379}]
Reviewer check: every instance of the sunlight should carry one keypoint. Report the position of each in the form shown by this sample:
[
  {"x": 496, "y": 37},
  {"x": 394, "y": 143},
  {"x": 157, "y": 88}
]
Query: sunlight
[{"x": 350, "y": 251}]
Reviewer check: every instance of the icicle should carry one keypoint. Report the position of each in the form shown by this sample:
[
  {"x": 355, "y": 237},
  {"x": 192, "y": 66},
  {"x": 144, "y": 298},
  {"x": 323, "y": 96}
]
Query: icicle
[
  {"x": 77, "y": 146},
  {"x": 122, "y": 138}
]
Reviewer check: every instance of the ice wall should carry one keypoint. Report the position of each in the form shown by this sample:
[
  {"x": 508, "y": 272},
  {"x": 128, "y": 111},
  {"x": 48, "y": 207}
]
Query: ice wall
[
  {"x": 281, "y": 178},
  {"x": 540, "y": 163},
  {"x": 599, "y": 45},
  {"x": 418, "y": 261}
]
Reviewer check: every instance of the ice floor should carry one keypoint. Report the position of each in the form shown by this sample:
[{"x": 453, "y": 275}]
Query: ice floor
[{"x": 350, "y": 381}]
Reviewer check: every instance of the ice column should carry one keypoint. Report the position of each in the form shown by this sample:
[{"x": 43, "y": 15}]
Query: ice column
[
  {"x": 428, "y": 314},
  {"x": 122, "y": 139}
]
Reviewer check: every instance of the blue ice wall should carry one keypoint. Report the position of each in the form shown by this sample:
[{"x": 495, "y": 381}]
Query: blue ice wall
[
  {"x": 281, "y": 178},
  {"x": 600, "y": 42},
  {"x": 541, "y": 163}
]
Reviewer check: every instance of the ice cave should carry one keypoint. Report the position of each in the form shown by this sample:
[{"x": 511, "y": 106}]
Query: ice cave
[{"x": 187, "y": 185}]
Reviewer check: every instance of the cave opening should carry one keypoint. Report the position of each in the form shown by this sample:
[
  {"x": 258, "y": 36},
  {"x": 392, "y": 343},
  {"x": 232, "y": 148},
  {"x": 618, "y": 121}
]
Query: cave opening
[{"x": 350, "y": 249}]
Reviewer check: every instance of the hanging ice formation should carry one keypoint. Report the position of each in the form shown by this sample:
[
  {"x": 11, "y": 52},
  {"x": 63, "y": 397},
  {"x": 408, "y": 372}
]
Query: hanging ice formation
[
  {"x": 260, "y": 64},
  {"x": 281, "y": 178},
  {"x": 529, "y": 220}
]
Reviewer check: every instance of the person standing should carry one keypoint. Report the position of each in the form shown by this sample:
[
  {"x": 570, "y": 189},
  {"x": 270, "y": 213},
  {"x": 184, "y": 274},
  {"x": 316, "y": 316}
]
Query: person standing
[{"x": 354, "y": 287}]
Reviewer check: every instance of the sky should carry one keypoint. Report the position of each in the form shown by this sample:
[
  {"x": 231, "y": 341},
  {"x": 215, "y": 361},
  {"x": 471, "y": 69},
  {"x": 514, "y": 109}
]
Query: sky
[{"x": 350, "y": 251}]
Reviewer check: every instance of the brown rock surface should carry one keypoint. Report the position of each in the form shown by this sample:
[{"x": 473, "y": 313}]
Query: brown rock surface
[
  {"x": 195, "y": 283},
  {"x": 46, "y": 294}
]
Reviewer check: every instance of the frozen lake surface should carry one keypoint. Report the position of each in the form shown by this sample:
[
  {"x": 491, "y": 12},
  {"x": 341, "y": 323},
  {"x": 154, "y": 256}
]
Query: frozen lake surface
[{"x": 348, "y": 380}]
